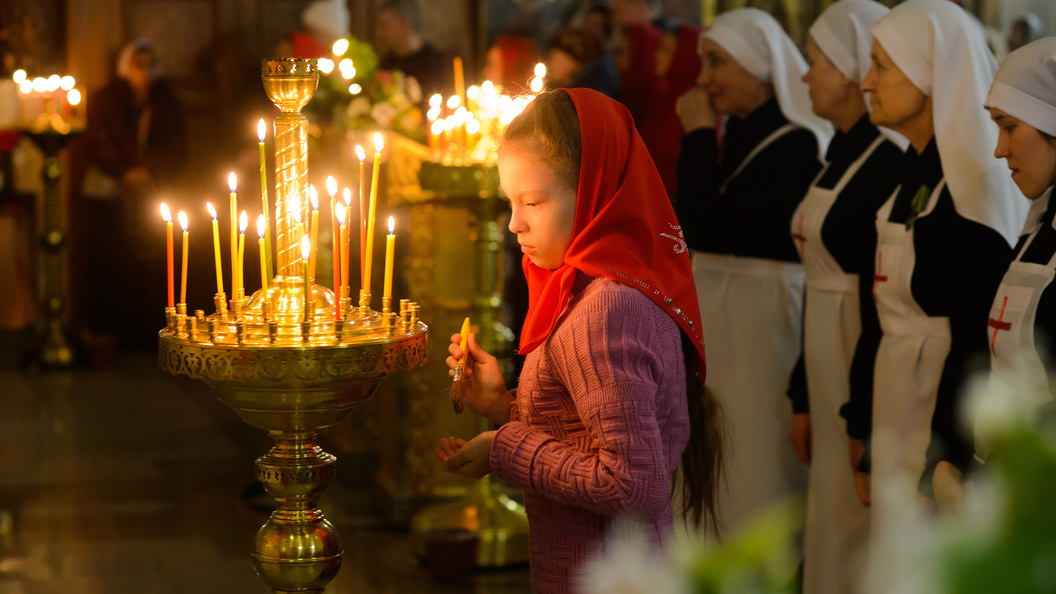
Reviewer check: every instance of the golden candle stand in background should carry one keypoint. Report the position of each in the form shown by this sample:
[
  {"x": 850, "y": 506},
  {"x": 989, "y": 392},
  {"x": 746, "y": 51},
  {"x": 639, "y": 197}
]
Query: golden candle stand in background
[{"x": 288, "y": 363}]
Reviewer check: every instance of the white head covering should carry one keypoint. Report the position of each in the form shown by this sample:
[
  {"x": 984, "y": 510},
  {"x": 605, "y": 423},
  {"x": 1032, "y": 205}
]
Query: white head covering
[
  {"x": 328, "y": 16},
  {"x": 842, "y": 34},
  {"x": 760, "y": 45},
  {"x": 124, "y": 59},
  {"x": 944, "y": 54},
  {"x": 1025, "y": 85}
]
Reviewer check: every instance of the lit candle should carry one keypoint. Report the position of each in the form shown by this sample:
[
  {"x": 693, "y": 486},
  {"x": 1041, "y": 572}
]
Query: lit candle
[
  {"x": 183, "y": 273},
  {"x": 341, "y": 245},
  {"x": 216, "y": 248},
  {"x": 243, "y": 222},
  {"x": 378, "y": 145},
  {"x": 390, "y": 246},
  {"x": 435, "y": 132},
  {"x": 313, "y": 196},
  {"x": 346, "y": 235},
  {"x": 262, "y": 229},
  {"x": 306, "y": 250},
  {"x": 362, "y": 156},
  {"x": 315, "y": 232},
  {"x": 232, "y": 183},
  {"x": 460, "y": 83},
  {"x": 331, "y": 189},
  {"x": 264, "y": 193},
  {"x": 167, "y": 216}
]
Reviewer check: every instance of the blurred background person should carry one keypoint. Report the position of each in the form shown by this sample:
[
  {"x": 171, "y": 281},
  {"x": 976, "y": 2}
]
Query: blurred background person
[
  {"x": 401, "y": 47},
  {"x": 577, "y": 58},
  {"x": 1024, "y": 30},
  {"x": 324, "y": 22},
  {"x": 510, "y": 62}
]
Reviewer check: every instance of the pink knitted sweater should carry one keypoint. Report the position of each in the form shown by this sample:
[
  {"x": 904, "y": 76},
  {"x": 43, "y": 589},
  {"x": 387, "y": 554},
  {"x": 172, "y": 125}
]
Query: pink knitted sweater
[{"x": 597, "y": 427}]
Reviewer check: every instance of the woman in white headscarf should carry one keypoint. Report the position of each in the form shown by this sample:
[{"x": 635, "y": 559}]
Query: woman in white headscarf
[
  {"x": 944, "y": 240},
  {"x": 834, "y": 229},
  {"x": 734, "y": 210}
]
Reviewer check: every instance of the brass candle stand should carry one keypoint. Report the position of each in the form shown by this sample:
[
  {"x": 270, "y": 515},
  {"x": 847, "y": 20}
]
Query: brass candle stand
[{"x": 293, "y": 360}]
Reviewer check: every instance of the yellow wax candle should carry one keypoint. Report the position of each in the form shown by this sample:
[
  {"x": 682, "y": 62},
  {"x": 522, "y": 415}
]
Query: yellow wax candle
[
  {"x": 460, "y": 83},
  {"x": 378, "y": 145},
  {"x": 232, "y": 183},
  {"x": 313, "y": 196},
  {"x": 262, "y": 229},
  {"x": 347, "y": 234},
  {"x": 362, "y": 156},
  {"x": 314, "y": 234},
  {"x": 306, "y": 251},
  {"x": 216, "y": 248},
  {"x": 243, "y": 222},
  {"x": 261, "y": 132},
  {"x": 167, "y": 216},
  {"x": 183, "y": 273},
  {"x": 340, "y": 245},
  {"x": 390, "y": 246},
  {"x": 331, "y": 189}
]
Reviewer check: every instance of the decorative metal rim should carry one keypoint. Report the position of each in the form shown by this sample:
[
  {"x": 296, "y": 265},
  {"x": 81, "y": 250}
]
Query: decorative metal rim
[{"x": 289, "y": 67}]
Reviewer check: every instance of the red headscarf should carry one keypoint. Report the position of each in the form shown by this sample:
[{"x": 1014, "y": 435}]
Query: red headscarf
[{"x": 625, "y": 228}]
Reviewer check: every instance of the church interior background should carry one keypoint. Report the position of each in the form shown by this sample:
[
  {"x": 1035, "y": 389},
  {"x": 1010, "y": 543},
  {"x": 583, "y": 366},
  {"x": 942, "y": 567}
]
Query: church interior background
[{"x": 117, "y": 477}]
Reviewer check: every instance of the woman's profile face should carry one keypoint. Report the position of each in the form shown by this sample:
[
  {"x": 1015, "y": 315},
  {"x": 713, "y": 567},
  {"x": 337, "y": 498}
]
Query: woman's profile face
[
  {"x": 1031, "y": 157},
  {"x": 543, "y": 208},
  {"x": 829, "y": 88},
  {"x": 732, "y": 89},
  {"x": 895, "y": 101}
]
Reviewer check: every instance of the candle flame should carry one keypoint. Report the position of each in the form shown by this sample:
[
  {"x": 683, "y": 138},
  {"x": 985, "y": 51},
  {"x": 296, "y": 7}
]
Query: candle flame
[
  {"x": 19, "y": 76},
  {"x": 261, "y": 130},
  {"x": 473, "y": 126},
  {"x": 314, "y": 197},
  {"x": 262, "y": 226},
  {"x": 379, "y": 142},
  {"x": 165, "y": 214},
  {"x": 243, "y": 222},
  {"x": 232, "y": 181},
  {"x": 25, "y": 87},
  {"x": 540, "y": 70},
  {"x": 212, "y": 211},
  {"x": 74, "y": 97},
  {"x": 473, "y": 92},
  {"x": 355, "y": 88},
  {"x": 360, "y": 153},
  {"x": 340, "y": 47},
  {"x": 438, "y": 127},
  {"x": 66, "y": 83},
  {"x": 392, "y": 225},
  {"x": 326, "y": 65},
  {"x": 434, "y": 101},
  {"x": 54, "y": 81},
  {"x": 348, "y": 197},
  {"x": 40, "y": 84},
  {"x": 487, "y": 87},
  {"x": 339, "y": 210},
  {"x": 306, "y": 247},
  {"x": 536, "y": 85},
  {"x": 331, "y": 185},
  {"x": 453, "y": 101},
  {"x": 182, "y": 216}
]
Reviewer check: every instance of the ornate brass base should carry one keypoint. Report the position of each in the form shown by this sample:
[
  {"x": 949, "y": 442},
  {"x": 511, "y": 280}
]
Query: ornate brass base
[{"x": 293, "y": 393}]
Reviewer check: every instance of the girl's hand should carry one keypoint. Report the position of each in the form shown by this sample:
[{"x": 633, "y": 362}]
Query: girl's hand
[
  {"x": 695, "y": 110},
  {"x": 862, "y": 482},
  {"x": 483, "y": 386},
  {"x": 468, "y": 458}
]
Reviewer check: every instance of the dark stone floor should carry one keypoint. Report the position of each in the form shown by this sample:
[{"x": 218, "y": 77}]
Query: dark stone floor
[{"x": 123, "y": 479}]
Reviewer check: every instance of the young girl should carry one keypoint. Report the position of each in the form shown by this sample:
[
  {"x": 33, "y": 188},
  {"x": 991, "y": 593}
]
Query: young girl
[{"x": 610, "y": 399}]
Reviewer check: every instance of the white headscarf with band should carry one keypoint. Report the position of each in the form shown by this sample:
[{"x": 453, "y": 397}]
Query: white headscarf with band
[
  {"x": 944, "y": 54},
  {"x": 842, "y": 34},
  {"x": 1025, "y": 85},
  {"x": 760, "y": 45}
]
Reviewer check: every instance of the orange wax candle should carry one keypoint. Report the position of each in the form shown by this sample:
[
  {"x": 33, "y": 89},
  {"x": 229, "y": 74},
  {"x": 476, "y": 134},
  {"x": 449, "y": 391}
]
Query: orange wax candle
[
  {"x": 362, "y": 156},
  {"x": 378, "y": 145},
  {"x": 232, "y": 183},
  {"x": 216, "y": 248},
  {"x": 167, "y": 216},
  {"x": 183, "y": 273},
  {"x": 390, "y": 246},
  {"x": 339, "y": 245},
  {"x": 346, "y": 234},
  {"x": 331, "y": 189},
  {"x": 262, "y": 229},
  {"x": 243, "y": 222}
]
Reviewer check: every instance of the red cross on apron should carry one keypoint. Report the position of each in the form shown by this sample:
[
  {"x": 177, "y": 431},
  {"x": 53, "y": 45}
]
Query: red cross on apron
[
  {"x": 998, "y": 325},
  {"x": 878, "y": 278}
]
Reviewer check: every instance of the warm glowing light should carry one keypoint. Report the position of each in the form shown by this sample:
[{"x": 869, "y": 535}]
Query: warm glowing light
[
  {"x": 295, "y": 206},
  {"x": 449, "y": 123},
  {"x": 438, "y": 127},
  {"x": 379, "y": 142},
  {"x": 360, "y": 153},
  {"x": 40, "y": 84},
  {"x": 434, "y": 101},
  {"x": 346, "y": 68},
  {"x": 339, "y": 210},
  {"x": 314, "y": 197},
  {"x": 540, "y": 70},
  {"x": 340, "y": 47},
  {"x": 433, "y": 113},
  {"x": 331, "y": 185},
  {"x": 183, "y": 220},
  {"x": 453, "y": 101},
  {"x": 487, "y": 87},
  {"x": 347, "y": 194},
  {"x": 536, "y": 84},
  {"x": 326, "y": 65},
  {"x": 212, "y": 211},
  {"x": 473, "y": 126},
  {"x": 54, "y": 82},
  {"x": 26, "y": 87},
  {"x": 461, "y": 115},
  {"x": 73, "y": 97},
  {"x": 504, "y": 102},
  {"x": 165, "y": 214},
  {"x": 262, "y": 226},
  {"x": 355, "y": 88},
  {"x": 66, "y": 83},
  {"x": 261, "y": 130},
  {"x": 473, "y": 92},
  {"x": 392, "y": 225},
  {"x": 19, "y": 76},
  {"x": 243, "y": 222},
  {"x": 306, "y": 247},
  {"x": 232, "y": 181}
]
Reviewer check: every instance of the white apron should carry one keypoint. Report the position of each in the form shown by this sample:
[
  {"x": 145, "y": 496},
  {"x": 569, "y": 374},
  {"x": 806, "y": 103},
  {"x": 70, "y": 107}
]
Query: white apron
[
  {"x": 1017, "y": 372},
  {"x": 751, "y": 320},
  {"x": 908, "y": 369},
  {"x": 837, "y": 526}
]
